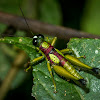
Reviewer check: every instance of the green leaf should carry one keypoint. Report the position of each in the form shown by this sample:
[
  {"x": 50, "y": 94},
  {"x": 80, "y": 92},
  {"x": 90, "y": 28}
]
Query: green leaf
[
  {"x": 43, "y": 86},
  {"x": 21, "y": 43},
  {"x": 50, "y": 12},
  {"x": 91, "y": 49}
]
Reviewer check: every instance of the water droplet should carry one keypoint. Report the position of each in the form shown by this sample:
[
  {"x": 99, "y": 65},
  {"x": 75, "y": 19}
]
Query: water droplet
[
  {"x": 37, "y": 55},
  {"x": 72, "y": 96},
  {"x": 32, "y": 94},
  {"x": 52, "y": 85},
  {"x": 44, "y": 84},
  {"x": 89, "y": 48},
  {"x": 34, "y": 82},
  {"x": 35, "y": 93},
  {"x": 20, "y": 40},
  {"x": 65, "y": 94},
  {"x": 96, "y": 51},
  {"x": 45, "y": 76},
  {"x": 54, "y": 94},
  {"x": 35, "y": 70},
  {"x": 98, "y": 66},
  {"x": 9, "y": 41}
]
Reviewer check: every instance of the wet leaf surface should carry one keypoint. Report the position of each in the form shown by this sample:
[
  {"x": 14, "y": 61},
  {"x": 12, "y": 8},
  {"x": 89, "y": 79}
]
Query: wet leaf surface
[{"x": 43, "y": 87}]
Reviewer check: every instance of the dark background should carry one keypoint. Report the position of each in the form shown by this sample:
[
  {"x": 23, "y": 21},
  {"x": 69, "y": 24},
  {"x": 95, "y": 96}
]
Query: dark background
[{"x": 81, "y": 15}]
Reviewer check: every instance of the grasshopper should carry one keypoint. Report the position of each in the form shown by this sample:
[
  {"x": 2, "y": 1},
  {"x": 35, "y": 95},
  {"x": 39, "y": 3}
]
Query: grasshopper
[{"x": 62, "y": 64}]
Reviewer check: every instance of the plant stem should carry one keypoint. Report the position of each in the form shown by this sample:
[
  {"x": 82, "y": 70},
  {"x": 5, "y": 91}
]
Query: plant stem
[
  {"x": 17, "y": 64},
  {"x": 39, "y": 27}
]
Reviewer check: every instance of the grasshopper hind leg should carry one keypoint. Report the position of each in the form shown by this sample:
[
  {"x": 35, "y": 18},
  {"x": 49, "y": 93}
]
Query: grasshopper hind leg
[
  {"x": 63, "y": 72},
  {"x": 80, "y": 82}
]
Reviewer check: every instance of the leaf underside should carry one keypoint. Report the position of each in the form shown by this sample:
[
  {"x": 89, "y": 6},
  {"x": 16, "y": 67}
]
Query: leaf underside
[{"x": 43, "y": 86}]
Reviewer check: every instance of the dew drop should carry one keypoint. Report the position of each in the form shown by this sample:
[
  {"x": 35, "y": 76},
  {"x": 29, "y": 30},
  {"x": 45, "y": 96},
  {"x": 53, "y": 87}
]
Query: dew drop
[
  {"x": 20, "y": 40},
  {"x": 54, "y": 94},
  {"x": 52, "y": 85},
  {"x": 72, "y": 96},
  {"x": 32, "y": 95},
  {"x": 96, "y": 51},
  {"x": 37, "y": 55},
  {"x": 89, "y": 48},
  {"x": 9, "y": 41},
  {"x": 65, "y": 94},
  {"x": 45, "y": 76},
  {"x": 40, "y": 63},
  {"x": 35, "y": 93},
  {"x": 44, "y": 84},
  {"x": 35, "y": 70}
]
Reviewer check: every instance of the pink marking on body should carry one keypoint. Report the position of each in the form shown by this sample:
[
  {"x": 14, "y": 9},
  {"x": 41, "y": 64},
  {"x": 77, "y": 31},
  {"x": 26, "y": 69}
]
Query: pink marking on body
[
  {"x": 51, "y": 50},
  {"x": 63, "y": 62},
  {"x": 46, "y": 51},
  {"x": 42, "y": 49}
]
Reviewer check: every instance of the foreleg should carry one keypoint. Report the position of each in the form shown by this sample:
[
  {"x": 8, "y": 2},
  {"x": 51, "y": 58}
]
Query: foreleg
[{"x": 34, "y": 61}]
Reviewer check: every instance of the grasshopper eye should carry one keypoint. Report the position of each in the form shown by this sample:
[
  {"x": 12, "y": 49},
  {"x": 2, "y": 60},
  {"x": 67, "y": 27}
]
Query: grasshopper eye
[
  {"x": 38, "y": 39},
  {"x": 35, "y": 41},
  {"x": 40, "y": 36}
]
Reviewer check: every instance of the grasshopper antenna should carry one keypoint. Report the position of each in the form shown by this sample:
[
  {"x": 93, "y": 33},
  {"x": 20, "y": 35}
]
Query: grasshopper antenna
[{"x": 25, "y": 19}]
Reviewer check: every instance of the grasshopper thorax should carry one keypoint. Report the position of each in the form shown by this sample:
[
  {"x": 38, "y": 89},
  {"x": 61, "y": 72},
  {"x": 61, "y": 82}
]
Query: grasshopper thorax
[{"x": 38, "y": 39}]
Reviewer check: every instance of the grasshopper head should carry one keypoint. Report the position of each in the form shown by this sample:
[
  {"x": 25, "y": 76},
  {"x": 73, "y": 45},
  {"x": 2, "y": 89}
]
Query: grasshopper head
[{"x": 38, "y": 39}]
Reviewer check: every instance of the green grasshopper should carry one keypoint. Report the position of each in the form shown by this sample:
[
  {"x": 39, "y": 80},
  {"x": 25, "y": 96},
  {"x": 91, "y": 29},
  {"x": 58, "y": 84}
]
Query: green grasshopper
[
  {"x": 58, "y": 61},
  {"x": 62, "y": 64}
]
